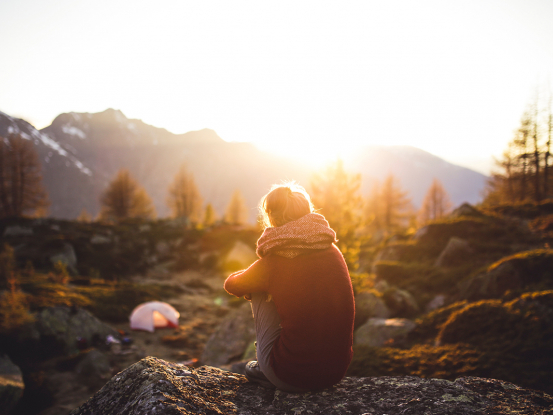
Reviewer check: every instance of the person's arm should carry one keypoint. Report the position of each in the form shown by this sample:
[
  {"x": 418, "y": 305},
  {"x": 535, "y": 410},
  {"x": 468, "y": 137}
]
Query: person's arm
[{"x": 252, "y": 280}]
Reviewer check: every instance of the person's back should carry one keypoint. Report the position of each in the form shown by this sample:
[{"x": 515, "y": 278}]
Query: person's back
[{"x": 305, "y": 332}]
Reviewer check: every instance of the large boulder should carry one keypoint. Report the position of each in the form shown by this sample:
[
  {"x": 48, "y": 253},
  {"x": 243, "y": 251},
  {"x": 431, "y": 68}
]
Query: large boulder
[
  {"x": 231, "y": 339},
  {"x": 367, "y": 305},
  {"x": 153, "y": 386},
  {"x": 525, "y": 270},
  {"x": 66, "y": 255},
  {"x": 11, "y": 384},
  {"x": 63, "y": 330},
  {"x": 456, "y": 252},
  {"x": 378, "y": 331}
]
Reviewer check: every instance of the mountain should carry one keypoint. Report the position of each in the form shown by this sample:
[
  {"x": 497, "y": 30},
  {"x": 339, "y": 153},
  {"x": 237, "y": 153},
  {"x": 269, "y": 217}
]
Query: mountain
[
  {"x": 81, "y": 153},
  {"x": 416, "y": 169}
]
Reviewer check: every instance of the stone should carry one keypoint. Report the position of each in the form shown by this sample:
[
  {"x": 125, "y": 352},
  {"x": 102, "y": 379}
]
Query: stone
[
  {"x": 456, "y": 252},
  {"x": 466, "y": 209},
  {"x": 240, "y": 256},
  {"x": 17, "y": 231},
  {"x": 11, "y": 384},
  {"x": 99, "y": 240},
  {"x": 65, "y": 255},
  {"x": 57, "y": 330},
  {"x": 367, "y": 305},
  {"x": 378, "y": 331},
  {"x": 154, "y": 386},
  {"x": 94, "y": 369},
  {"x": 400, "y": 303},
  {"x": 492, "y": 284},
  {"x": 231, "y": 339},
  {"x": 437, "y": 302}
]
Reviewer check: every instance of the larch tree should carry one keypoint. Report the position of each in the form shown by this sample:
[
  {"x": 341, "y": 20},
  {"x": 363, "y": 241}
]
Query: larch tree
[
  {"x": 125, "y": 199},
  {"x": 21, "y": 190},
  {"x": 237, "y": 211},
  {"x": 184, "y": 198},
  {"x": 335, "y": 193},
  {"x": 436, "y": 203},
  {"x": 210, "y": 216},
  {"x": 395, "y": 206}
]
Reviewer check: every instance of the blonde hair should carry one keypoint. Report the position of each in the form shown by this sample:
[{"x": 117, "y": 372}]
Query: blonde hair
[{"x": 284, "y": 203}]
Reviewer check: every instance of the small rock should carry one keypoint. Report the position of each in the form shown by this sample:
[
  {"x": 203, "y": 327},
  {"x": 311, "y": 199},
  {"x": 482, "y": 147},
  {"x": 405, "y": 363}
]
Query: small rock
[
  {"x": 17, "y": 231},
  {"x": 456, "y": 252},
  {"x": 11, "y": 384},
  {"x": 377, "y": 331},
  {"x": 437, "y": 302},
  {"x": 66, "y": 256},
  {"x": 368, "y": 304},
  {"x": 466, "y": 210},
  {"x": 400, "y": 302},
  {"x": 99, "y": 240}
]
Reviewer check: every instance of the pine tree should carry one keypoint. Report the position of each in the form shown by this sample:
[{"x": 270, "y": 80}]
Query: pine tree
[
  {"x": 21, "y": 188},
  {"x": 436, "y": 203},
  {"x": 125, "y": 199},
  {"x": 184, "y": 197},
  {"x": 237, "y": 211},
  {"x": 335, "y": 194}
]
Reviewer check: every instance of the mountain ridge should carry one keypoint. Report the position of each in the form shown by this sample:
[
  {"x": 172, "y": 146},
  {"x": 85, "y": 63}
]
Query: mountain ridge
[{"x": 81, "y": 152}]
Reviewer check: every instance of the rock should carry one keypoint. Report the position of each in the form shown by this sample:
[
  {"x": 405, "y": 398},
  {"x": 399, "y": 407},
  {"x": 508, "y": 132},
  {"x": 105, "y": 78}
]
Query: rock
[
  {"x": 162, "y": 248},
  {"x": 231, "y": 339},
  {"x": 94, "y": 369},
  {"x": 56, "y": 331},
  {"x": 437, "y": 302},
  {"x": 65, "y": 255},
  {"x": 11, "y": 384},
  {"x": 492, "y": 284},
  {"x": 456, "y": 252},
  {"x": 378, "y": 331},
  {"x": 17, "y": 231},
  {"x": 400, "y": 302},
  {"x": 368, "y": 304},
  {"x": 466, "y": 210},
  {"x": 394, "y": 252},
  {"x": 528, "y": 271},
  {"x": 240, "y": 256},
  {"x": 153, "y": 386},
  {"x": 99, "y": 240}
]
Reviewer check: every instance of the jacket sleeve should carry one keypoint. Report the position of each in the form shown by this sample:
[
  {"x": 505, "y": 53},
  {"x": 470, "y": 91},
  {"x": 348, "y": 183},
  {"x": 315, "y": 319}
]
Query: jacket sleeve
[{"x": 252, "y": 280}]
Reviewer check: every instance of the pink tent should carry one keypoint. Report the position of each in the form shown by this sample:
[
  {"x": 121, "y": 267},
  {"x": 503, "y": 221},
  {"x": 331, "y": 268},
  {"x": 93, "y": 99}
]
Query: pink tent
[{"x": 154, "y": 314}]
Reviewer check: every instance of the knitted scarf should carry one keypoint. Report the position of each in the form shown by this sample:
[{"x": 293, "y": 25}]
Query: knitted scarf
[{"x": 310, "y": 232}]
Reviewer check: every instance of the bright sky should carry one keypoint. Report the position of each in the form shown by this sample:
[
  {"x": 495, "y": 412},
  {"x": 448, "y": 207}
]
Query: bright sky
[{"x": 314, "y": 78}]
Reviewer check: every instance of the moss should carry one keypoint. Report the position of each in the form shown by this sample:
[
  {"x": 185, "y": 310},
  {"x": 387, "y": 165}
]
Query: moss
[{"x": 429, "y": 325}]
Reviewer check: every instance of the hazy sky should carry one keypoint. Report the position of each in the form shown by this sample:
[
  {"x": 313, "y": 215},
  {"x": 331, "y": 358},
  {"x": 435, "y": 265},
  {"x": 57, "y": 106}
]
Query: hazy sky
[{"x": 311, "y": 78}]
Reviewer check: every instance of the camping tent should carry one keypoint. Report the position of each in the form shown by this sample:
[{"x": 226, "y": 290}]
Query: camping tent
[{"x": 153, "y": 314}]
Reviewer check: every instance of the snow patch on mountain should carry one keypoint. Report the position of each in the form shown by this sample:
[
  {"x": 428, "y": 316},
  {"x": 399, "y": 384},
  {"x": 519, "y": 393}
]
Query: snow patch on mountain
[{"x": 71, "y": 130}]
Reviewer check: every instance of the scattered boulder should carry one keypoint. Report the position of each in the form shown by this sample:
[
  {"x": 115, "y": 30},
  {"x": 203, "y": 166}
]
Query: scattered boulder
[
  {"x": 231, "y": 339},
  {"x": 65, "y": 255},
  {"x": 378, "y": 331},
  {"x": 466, "y": 209},
  {"x": 94, "y": 369},
  {"x": 367, "y": 305},
  {"x": 154, "y": 386},
  {"x": 63, "y": 330},
  {"x": 240, "y": 256},
  {"x": 456, "y": 252},
  {"x": 11, "y": 384},
  {"x": 437, "y": 302},
  {"x": 400, "y": 302},
  {"x": 100, "y": 240},
  {"x": 16, "y": 230},
  {"x": 395, "y": 252},
  {"x": 525, "y": 270}
]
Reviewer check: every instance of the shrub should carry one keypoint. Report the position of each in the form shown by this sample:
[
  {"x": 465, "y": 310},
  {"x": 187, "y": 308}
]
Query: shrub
[{"x": 14, "y": 309}]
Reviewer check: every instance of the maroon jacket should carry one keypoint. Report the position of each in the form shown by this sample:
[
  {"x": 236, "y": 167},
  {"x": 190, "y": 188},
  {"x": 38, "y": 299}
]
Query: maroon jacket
[{"x": 314, "y": 299}]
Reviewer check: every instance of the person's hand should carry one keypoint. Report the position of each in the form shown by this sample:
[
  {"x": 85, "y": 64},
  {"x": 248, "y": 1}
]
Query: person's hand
[{"x": 248, "y": 297}]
